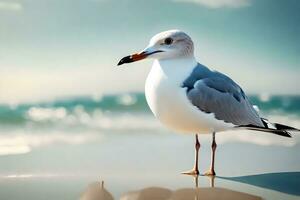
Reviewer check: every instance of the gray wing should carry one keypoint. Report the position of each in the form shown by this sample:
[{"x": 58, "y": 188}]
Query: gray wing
[{"x": 214, "y": 92}]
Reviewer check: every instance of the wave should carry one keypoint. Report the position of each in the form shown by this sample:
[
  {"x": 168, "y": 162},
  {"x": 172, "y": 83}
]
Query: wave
[
  {"x": 84, "y": 119},
  {"x": 86, "y": 108},
  {"x": 117, "y": 112}
]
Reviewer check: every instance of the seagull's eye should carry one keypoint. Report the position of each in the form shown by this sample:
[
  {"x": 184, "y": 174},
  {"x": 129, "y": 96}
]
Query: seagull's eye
[{"x": 168, "y": 41}]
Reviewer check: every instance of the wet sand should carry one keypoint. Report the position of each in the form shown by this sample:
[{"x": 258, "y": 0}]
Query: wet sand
[
  {"x": 168, "y": 187},
  {"x": 274, "y": 181},
  {"x": 129, "y": 163}
]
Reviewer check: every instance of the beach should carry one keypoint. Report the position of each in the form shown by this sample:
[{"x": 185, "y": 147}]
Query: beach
[
  {"x": 55, "y": 150},
  {"x": 75, "y": 123}
]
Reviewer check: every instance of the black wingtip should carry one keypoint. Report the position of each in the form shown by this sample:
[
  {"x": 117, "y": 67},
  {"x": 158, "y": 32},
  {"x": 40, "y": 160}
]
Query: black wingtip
[
  {"x": 283, "y": 133},
  {"x": 285, "y": 127},
  {"x": 278, "y": 126}
]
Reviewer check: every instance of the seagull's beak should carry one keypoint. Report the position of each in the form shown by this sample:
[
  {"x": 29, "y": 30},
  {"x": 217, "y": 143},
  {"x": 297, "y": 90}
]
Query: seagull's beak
[
  {"x": 138, "y": 56},
  {"x": 132, "y": 58}
]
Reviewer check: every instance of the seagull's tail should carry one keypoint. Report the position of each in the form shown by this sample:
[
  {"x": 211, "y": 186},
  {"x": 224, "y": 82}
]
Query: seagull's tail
[{"x": 275, "y": 128}]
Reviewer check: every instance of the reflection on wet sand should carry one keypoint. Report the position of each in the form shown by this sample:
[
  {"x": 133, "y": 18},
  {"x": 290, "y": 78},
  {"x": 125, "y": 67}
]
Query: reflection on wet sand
[
  {"x": 148, "y": 193},
  {"x": 96, "y": 191},
  {"x": 188, "y": 194}
]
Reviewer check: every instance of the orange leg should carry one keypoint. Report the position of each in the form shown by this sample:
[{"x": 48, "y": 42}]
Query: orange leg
[
  {"x": 211, "y": 171},
  {"x": 195, "y": 170}
]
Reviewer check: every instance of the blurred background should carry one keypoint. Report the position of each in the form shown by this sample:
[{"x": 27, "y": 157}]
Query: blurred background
[{"x": 66, "y": 108}]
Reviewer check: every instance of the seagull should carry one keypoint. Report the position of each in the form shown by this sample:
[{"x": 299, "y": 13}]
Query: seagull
[{"x": 187, "y": 96}]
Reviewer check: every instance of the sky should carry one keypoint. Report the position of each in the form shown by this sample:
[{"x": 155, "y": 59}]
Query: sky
[{"x": 55, "y": 48}]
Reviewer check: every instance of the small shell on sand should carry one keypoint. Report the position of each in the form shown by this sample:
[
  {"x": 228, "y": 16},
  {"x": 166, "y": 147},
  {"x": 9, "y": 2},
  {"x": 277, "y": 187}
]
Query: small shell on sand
[{"x": 96, "y": 191}]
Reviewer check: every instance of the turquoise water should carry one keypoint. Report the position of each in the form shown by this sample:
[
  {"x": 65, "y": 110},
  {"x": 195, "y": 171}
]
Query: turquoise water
[{"x": 123, "y": 103}]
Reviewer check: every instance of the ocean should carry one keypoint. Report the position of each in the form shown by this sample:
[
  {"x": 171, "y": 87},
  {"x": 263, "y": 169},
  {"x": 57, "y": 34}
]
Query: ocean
[{"x": 100, "y": 111}]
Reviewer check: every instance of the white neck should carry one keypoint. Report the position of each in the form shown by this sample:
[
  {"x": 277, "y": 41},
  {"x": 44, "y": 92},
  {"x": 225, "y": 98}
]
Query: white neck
[{"x": 177, "y": 67}]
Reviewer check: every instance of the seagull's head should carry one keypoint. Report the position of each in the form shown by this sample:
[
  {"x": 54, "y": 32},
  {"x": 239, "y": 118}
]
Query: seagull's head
[{"x": 165, "y": 45}]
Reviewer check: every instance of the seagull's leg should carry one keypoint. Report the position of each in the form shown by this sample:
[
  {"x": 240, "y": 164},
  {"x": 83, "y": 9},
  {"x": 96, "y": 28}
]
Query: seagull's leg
[
  {"x": 195, "y": 170},
  {"x": 211, "y": 171}
]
